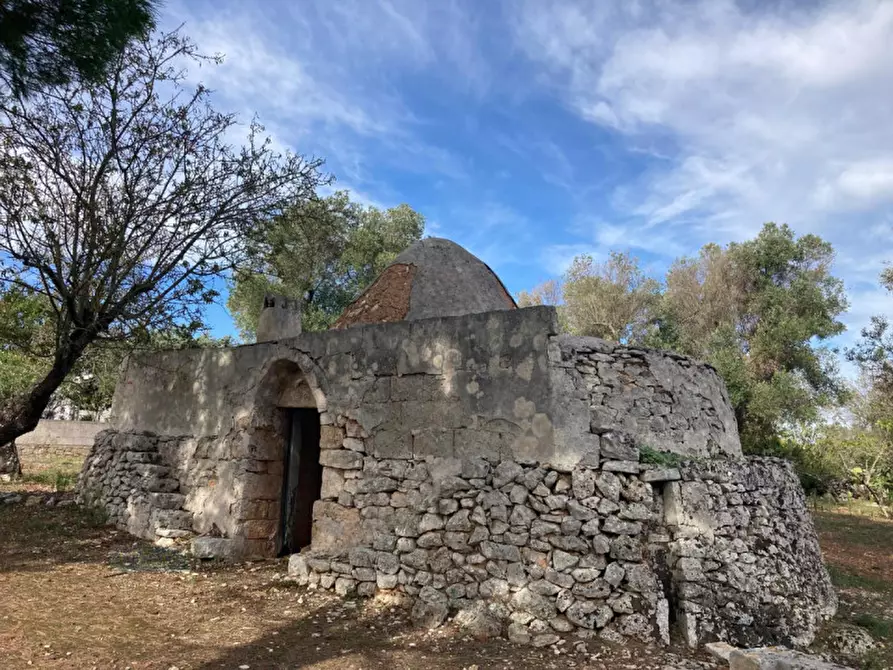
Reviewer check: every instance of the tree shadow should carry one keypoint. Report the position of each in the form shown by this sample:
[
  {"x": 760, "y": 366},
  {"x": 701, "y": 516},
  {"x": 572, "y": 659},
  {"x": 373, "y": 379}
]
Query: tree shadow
[{"x": 366, "y": 634}]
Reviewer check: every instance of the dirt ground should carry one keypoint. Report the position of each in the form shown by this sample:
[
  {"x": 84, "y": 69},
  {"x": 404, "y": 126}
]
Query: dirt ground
[
  {"x": 76, "y": 595},
  {"x": 859, "y": 554}
]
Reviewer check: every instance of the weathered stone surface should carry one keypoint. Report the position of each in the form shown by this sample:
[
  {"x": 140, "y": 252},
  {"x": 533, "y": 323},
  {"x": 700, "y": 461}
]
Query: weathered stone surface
[
  {"x": 431, "y": 608},
  {"x": 760, "y": 504},
  {"x": 212, "y": 547},
  {"x": 775, "y": 658},
  {"x": 533, "y": 603},
  {"x": 335, "y": 527},
  {"x": 608, "y": 485},
  {"x": 343, "y": 459},
  {"x": 661, "y": 475},
  {"x": 480, "y": 621},
  {"x": 518, "y": 634},
  {"x": 618, "y": 447},
  {"x": 583, "y": 483},
  {"x": 851, "y": 641},
  {"x": 629, "y": 467}
]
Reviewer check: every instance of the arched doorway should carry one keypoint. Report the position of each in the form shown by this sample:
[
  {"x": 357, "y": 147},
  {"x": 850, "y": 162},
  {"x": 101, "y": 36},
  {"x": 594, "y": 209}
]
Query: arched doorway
[
  {"x": 302, "y": 478},
  {"x": 293, "y": 403}
]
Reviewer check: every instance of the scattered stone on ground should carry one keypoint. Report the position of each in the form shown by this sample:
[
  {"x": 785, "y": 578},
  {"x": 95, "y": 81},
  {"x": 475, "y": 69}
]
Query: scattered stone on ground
[
  {"x": 778, "y": 658},
  {"x": 851, "y": 641}
]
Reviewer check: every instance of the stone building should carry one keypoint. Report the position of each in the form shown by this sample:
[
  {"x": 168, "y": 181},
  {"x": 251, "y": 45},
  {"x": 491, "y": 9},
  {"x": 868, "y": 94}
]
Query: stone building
[{"x": 441, "y": 442}]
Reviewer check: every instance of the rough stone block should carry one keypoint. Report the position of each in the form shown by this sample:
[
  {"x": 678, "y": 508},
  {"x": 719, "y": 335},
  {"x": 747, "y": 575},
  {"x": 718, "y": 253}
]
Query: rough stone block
[
  {"x": 331, "y": 437},
  {"x": 256, "y": 486},
  {"x": 332, "y": 484},
  {"x": 298, "y": 568},
  {"x": 335, "y": 528},
  {"x": 211, "y": 547},
  {"x": 392, "y": 443},
  {"x": 628, "y": 467},
  {"x": 661, "y": 475},
  {"x": 259, "y": 529},
  {"x": 167, "y": 500},
  {"x": 343, "y": 459},
  {"x": 777, "y": 658},
  {"x": 618, "y": 447}
]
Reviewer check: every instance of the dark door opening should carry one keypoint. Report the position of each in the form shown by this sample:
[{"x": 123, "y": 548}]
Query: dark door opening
[{"x": 303, "y": 479}]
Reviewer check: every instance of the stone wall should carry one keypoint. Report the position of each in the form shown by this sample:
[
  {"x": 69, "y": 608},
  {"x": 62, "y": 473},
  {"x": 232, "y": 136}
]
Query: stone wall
[
  {"x": 499, "y": 385},
  {"x": 746, "y": 563},
  {"x": 724, "y": 550},
  {"x": 663, "y": 400},
  {"x": 54, "y": 440},
  {"x": 481, "y": 457},
  {"x": 128, "y": 476},
  {"x": 553, "y": 550}
]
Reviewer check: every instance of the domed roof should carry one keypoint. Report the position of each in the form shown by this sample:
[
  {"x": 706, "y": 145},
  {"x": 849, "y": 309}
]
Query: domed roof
[{"x": 433, "y": 278}]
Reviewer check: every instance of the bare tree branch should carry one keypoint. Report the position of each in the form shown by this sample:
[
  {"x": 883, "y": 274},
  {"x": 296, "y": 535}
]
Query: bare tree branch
[{"x": 120, "y": 200}]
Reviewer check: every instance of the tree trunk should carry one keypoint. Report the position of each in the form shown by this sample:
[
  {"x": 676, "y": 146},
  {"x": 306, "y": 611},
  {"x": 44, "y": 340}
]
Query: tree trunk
[
  {"x": 10, "y": 466},
  {"x": 19, "y": 415}
]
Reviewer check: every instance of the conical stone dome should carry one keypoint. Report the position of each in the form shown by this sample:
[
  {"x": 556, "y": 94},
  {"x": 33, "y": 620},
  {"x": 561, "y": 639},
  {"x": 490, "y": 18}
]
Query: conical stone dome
[{"x": 433, "y": 278}]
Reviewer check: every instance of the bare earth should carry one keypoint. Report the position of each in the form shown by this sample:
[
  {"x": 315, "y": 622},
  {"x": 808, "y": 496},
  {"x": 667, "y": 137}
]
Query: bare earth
[{"x": 76, "y": 595}]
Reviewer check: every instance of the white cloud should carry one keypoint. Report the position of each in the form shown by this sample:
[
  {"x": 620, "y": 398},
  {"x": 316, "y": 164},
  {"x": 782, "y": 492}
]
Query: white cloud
[
  {"x": 776, "y": 114},
  {"x": 321, "y": 78}
]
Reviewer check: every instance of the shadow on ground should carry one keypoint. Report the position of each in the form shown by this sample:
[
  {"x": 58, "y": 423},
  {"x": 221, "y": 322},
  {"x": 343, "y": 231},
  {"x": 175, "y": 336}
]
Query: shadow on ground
[{"x": 76, "y": 595}]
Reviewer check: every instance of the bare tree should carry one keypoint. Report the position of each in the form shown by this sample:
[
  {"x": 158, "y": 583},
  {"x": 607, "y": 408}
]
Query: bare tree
[
  {"x": 121, "y": 201},
  {"x": 613, "y": 300},
  {"x": 705, "y": 294},
  {"x": 547, "y": 293}
]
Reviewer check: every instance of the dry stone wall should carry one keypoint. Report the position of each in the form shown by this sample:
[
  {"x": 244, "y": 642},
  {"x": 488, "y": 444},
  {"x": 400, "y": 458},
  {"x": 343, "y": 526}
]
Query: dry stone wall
[
  {"x": 663, "y": 400},
  {"x": 746, "y": 563},
  {"x": 551, "y": 551},
  {"x": 129, "y": 480},
  {"x": 722, "y": 549}
]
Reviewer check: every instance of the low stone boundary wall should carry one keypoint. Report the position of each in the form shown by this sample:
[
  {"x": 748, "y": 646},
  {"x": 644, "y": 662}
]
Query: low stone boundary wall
[
  {"x": 723, "y": 549},
  {"x": 53, "y": 440}
]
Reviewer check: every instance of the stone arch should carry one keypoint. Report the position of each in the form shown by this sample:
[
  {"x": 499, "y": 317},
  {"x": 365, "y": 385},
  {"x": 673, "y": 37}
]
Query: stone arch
[{"x": 287, "y": 400}]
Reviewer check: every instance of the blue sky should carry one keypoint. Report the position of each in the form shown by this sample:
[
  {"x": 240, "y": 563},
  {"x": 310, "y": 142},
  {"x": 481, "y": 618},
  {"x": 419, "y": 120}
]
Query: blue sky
[{"x": 532, "y": 131}]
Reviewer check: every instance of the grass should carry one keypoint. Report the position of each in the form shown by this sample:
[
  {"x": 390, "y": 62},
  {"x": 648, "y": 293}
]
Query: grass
[
  {"x": 880, "y": 628},
  {"x": 662, "y": 458},
  {"x": 858, "y": 551},
  {"x": 856, "y": 507},
  {"x": 51, "y": 474},
  {"x": 846, "y": 579},
  {"x": 59, "y": 480}
]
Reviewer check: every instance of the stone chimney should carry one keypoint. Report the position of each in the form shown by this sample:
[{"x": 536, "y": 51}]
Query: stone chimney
[{"x": 280, "y": 318}]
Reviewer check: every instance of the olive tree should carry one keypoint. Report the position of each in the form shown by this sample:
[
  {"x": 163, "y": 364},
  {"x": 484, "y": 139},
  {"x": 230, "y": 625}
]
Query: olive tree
[{"x": 122, "y": 201}]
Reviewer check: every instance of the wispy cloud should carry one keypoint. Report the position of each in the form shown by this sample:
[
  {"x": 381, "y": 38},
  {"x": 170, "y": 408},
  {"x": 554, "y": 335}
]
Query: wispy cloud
[{"x": 776, "y": 114}]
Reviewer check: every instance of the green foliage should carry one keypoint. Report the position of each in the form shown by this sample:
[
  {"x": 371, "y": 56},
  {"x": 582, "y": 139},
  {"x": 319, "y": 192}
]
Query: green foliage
[
  {"x": 846, "y": 579},
  {"x": 49, "y": 43},
  {"x": 325, "y": 251},
  {"x": 666, "y": 459},
  {"x": 855, "y": 458},
  {"x": 123, "y": 200},
  {"x": 25, "y": 339},
  {"x": 757, "y": 310},
  {"x": 60, "y": 480},
  {"x": 879, "y": 627}
]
